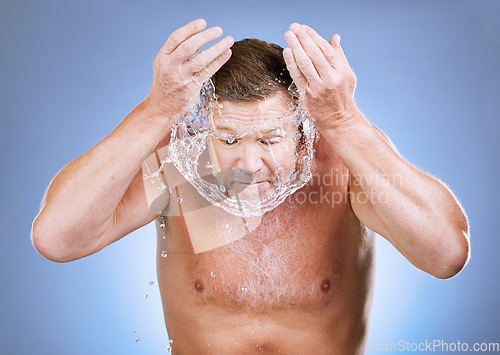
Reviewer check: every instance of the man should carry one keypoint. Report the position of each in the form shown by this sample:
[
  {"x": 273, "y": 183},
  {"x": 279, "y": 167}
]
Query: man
[{"x": 301, "y": 278}]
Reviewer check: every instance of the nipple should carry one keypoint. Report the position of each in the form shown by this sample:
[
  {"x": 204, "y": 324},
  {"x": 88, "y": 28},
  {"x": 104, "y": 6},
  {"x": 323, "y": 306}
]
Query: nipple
[
  {"x": 325, "y": 285},
  {"x": 198, "y": 285}
]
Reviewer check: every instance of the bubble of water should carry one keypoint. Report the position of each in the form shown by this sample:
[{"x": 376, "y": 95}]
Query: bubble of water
[
  {"x": 151, "y": 283},
  {"x": 137, "y": 340},
  {"x": 168, "y": 349},
  {"x": 133, "y": 331},
  {"x": 179, "y": 199},
  {"x": 171, "y": 341},
  {"x": 163, "y": 254},
  {"x": 191, "y": 138},
  {"x": 212, "y": 274},
  {"x": 146, "y": 296},
  {"x": 243, "y": 289}
]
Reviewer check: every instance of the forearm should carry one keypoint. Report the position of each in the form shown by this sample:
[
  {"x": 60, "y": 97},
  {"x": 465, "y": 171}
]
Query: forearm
[
  {"x": 417, "y": 213},
  {"x": 82, "y": 199}
]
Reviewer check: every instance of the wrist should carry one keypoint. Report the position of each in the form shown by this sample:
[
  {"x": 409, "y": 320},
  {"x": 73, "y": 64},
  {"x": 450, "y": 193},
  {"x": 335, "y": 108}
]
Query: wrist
[
  {"x": 150, "y": 110},
  {"x": 339, "y": 121}
]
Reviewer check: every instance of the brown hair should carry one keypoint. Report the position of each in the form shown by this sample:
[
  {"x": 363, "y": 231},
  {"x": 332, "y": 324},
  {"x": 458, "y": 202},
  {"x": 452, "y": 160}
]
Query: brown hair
[{"x": 255, "y": 70}]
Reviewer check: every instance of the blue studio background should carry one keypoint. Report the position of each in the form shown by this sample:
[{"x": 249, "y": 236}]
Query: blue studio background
[{"x": 70, "y": 71}]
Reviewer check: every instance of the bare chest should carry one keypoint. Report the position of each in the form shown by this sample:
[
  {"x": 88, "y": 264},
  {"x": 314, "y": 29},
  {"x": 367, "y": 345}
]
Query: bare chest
[{"x": 295, "y": 257}]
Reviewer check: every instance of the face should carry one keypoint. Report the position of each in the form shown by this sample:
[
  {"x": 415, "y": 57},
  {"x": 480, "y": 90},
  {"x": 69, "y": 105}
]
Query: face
[{"x": 254, "y": 145}]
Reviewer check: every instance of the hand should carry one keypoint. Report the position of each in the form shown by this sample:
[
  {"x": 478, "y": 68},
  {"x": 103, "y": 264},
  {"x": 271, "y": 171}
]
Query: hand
[
  {"x": 179, "y": 71},
  {"x": 322, "y": 74}
]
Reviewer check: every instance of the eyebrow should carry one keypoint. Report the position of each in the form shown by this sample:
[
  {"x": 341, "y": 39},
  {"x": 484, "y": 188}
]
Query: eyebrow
[
  {"x": 225, "y": 128},
  {"x": 277, "y": 130}
]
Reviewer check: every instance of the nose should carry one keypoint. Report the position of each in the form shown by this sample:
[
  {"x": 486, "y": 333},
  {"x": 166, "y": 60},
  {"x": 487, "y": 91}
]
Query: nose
[{"x": 250, "y": 158}]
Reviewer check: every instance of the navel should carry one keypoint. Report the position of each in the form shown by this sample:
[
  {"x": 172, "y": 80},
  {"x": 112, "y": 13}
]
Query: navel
[
  {"x": 325, "y": 285},
  {"x": 198, "y": 285}
]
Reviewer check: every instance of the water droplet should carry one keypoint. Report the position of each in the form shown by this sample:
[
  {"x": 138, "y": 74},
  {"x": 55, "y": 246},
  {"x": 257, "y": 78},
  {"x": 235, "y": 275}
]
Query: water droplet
[
  {"x": 137, "y": 340},
  {"x": 133, "y": 331},
  {"x": 243, "y": 289},
  {"x": 151, "y": 283},
  {"x": 163, "y": 254},
  {"x": 209, "y": 165},
  {"x": 227, "y": 225},
  {"x": 179, "y": 199},
  {"x": 171, "y": 341},
  {"x": 162, "y": 225},
  {"x": 146, "y": 296},
  {"x": 168, "y": 349},
  {"x": 213, "y": 274}
]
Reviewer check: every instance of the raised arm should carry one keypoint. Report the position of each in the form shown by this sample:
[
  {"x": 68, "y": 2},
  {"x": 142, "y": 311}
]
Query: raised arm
[
  {"x": 99, "y": 197},
  {"x": 416, "y": 212}
]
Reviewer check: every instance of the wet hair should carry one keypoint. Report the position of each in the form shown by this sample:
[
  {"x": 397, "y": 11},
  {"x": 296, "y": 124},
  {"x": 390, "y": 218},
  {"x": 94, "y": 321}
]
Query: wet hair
[{"x": 255, "y": 70}]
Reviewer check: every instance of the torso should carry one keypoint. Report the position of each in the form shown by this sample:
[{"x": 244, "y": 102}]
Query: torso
[{"x": 301, "y": 281}]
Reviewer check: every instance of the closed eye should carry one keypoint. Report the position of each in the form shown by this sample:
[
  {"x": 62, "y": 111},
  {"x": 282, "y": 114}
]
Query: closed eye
[
  {"x": 229, "y": 141},
  {"x": 269, "y": 141}
]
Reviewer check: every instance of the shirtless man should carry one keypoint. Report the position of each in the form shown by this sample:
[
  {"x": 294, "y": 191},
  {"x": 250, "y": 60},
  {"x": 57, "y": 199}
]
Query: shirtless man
[{"x": 302, "y": 279}]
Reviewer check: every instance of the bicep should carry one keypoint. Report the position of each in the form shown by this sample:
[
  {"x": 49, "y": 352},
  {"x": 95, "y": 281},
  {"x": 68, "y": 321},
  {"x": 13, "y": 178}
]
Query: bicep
[{"x": 140, "y": 204}]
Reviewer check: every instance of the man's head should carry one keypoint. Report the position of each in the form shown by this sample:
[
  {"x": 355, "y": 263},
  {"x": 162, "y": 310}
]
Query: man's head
[
  {"x": 246, "y": 145},
  {"x": 254, "y": 133}
]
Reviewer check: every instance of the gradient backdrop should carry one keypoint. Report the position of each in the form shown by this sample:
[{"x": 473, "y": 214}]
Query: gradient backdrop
[{"x": 428, "y": 75}]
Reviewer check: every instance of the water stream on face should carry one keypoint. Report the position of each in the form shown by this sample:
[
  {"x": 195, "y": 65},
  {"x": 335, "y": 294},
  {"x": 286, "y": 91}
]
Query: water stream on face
[{"x": 191, "y": 150}]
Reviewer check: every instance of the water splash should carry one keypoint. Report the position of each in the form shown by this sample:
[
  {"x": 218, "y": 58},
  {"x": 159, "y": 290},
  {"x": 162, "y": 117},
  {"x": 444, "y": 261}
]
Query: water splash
[{"x": 191, "y": 140}]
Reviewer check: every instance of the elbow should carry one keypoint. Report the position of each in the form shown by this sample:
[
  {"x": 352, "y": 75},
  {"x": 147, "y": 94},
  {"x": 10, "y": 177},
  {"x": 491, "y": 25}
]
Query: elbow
[
  {"x": 453, "y": 250},
  {"x": 43, "y": 241},
  {"x": 454, "y": 256}
]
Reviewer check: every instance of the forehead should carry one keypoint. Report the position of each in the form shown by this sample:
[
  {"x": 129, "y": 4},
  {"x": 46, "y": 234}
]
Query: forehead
[{"x": 270, "y": 112}]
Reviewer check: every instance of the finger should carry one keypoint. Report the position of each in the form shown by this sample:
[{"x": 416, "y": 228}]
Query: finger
[
  {"x": 209, "y": 70},
  {"x": 294, "y": 70},
  {"x": 294, "y": 26},
  {"x": 331, "y": 50},
  {"x": 183, "y": 33},
  {"x": 313, "y": 51},
  {"x": 304, "y": 63},
  {"x": 187, "y": 49},
  {"x": 202, "y": 59},
  {"x": 335, "y": 42}
]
